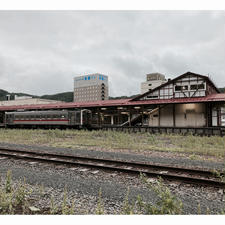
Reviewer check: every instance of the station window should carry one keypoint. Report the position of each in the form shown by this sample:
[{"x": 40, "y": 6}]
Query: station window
[
  {"x": 152, "y": 96},
  {"x": 181, "y": 88},
  {"x": 197, "y": 87},
  {"x": 194, "y": 87}
]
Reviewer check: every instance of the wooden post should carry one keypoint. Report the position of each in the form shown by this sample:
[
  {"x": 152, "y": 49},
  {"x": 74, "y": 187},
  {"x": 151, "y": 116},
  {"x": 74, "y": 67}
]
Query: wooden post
[
  {"x": 142, "y": 116},
  {"x": 209, "y": 115},
  {"x": 174, "y": 115},
  {"x": 218, "y": 116},
  {"x": 81, "y": 117},
  {"x": 112, "y": 121},
  {"x": 129, "y": 117},
  {"x": 99, "y": 118},
  {"x": 159, "y": 116}
]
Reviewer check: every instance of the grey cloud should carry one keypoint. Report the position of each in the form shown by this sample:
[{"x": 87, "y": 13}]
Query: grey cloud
[{"x": 41, "y": 51}]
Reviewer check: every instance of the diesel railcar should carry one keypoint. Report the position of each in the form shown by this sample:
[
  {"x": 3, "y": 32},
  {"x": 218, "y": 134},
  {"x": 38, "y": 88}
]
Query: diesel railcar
[{"x": 49, "y": 118}]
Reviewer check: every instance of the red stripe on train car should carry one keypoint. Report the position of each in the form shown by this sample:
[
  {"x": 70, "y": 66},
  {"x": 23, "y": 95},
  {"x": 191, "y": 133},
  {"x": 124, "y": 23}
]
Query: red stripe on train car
[{"x": 39, "y": 120}]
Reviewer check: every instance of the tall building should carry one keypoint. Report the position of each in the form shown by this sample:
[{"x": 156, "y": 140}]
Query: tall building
[
  {"x": 91, "y": 87},
  {"x": 153, "y": 80}
]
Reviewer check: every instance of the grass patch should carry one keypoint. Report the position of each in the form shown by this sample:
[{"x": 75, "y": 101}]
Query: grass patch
[{"x": 194, "y": 145}]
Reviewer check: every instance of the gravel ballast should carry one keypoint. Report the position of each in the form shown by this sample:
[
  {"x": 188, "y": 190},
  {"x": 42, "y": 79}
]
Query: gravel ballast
[{"x": 83, "y": 185}]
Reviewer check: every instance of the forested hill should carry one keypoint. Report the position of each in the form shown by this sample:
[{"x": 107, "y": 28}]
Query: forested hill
[
  {"x": 222, "y": 90},
  {"x": 4, "y": 93},
  {"x": 66, "y": 96}
]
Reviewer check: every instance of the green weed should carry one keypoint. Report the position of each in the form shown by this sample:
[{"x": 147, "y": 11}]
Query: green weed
[
  {"x": 167, "y": 203},
  {"x": 100, "y": 207}
]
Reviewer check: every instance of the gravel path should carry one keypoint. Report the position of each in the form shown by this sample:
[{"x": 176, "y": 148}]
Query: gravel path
[
  {"x": 173, "y": 161},
  {"x": 83, "y": 187}
]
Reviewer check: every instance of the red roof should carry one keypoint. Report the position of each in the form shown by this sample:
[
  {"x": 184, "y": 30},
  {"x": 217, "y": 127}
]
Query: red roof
[{"x": 118, "y": 102}]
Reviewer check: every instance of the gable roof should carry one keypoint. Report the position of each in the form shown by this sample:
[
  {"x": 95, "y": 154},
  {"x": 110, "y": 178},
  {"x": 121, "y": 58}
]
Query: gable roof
[{"x": 175, "y": 79}]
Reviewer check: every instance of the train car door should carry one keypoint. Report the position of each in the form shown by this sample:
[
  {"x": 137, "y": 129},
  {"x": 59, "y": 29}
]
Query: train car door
[
  {"x": 9, "y": 118},
  {"x": 2, "y": 118},
  {"x": 71, "y": 118}
]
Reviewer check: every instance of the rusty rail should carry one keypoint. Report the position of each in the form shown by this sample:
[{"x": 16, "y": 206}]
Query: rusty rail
[{"x": 189, "y": 175}]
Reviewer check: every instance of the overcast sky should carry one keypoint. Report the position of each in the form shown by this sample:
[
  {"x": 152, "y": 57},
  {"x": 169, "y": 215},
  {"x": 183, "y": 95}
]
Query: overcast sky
[{"x": 42, "y": 51}]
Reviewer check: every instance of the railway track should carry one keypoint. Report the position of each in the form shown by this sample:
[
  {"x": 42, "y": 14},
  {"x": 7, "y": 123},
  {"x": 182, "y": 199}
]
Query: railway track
[{"x": 187, "y": 175}]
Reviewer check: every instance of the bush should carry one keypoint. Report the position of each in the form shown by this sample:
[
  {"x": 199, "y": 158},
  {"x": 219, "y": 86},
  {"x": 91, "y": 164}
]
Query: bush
[{"x": 167, "y": 203}]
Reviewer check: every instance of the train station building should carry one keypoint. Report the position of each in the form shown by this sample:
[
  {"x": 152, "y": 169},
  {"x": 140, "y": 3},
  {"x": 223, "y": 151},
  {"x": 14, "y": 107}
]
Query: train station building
[{"x": 189, "y": 100}]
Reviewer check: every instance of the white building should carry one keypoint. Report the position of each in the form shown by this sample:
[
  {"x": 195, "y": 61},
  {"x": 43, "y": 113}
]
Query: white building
[
  {"x": 153, "y": 80},
  {"x": 91, "y": 87}
]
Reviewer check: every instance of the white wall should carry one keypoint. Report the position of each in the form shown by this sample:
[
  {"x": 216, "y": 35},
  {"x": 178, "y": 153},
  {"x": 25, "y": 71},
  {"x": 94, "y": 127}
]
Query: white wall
[
  {"x": 186, "y": 115},
  {"x": 190, "y": 115}
]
